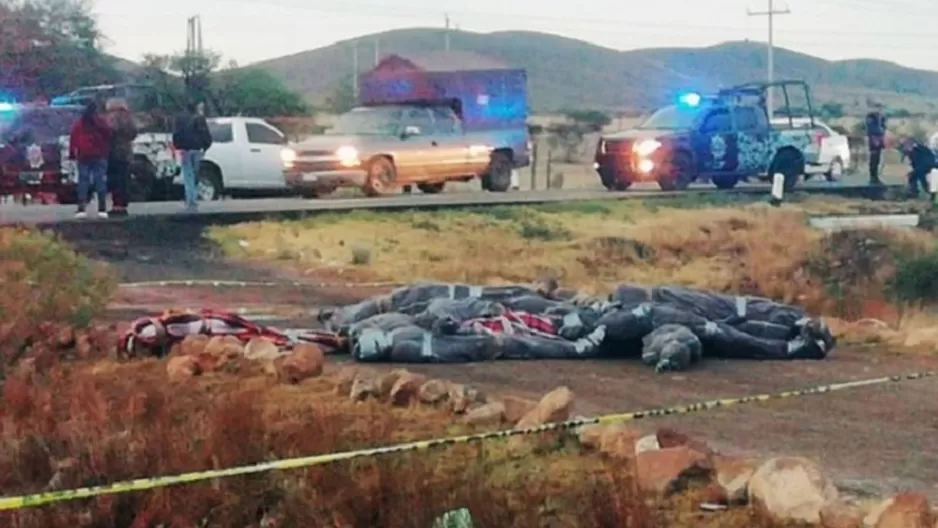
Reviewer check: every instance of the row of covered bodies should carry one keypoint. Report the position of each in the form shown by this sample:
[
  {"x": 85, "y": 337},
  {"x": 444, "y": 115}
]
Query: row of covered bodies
[{"x": 670, "y": 328}]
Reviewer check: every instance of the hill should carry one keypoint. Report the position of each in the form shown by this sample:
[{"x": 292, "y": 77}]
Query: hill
[{"x": 570, "y": 73}]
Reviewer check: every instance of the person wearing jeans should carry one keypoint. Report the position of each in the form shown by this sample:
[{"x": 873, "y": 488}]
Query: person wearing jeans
[
  {"x": 191, "y": 137},
  {"x": 89, "y": 145}
]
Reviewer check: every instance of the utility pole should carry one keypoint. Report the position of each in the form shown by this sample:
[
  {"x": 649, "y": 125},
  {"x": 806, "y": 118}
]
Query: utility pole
[
  {"x": 377, "y": 51},
  {"x": 195, "y": 53},
  {"x": 355, "y": 69},
  {"x": 446, "y": 17},
  {"x": 770, "y": 13}
]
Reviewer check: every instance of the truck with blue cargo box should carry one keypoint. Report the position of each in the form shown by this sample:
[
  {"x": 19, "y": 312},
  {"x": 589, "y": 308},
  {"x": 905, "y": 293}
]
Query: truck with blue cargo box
[{"x": 422, "y": 120}]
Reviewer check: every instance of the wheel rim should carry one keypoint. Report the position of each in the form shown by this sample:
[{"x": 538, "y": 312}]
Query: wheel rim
[
  {"x": 380, "y": 177},
  {"x": 837, "y": 170},
  {"x": 205, "y": 191}
]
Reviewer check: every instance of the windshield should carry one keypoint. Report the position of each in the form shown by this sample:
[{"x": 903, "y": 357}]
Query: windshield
[
  {"x": 379, "y": 121},
  {"x": 44, "y": 125},
  {"x": 671, "y": 118}
]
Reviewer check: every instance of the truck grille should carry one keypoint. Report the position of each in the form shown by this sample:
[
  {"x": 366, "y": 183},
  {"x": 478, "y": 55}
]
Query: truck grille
[
  {"x": 619, "y": 146},
  {"x": 315, "y": 153}
]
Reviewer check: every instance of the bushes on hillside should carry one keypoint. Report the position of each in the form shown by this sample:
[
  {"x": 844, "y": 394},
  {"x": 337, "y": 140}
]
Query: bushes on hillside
[{"x": 49, "y": 293}]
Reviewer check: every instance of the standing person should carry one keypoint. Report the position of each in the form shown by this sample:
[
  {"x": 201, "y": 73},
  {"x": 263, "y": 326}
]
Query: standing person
[
  {"x": 876, "y": 140},
  {"x": 192, "y": 138},
  {"x": 89, "y": 145},
  {"x": 118, "y": 164}
]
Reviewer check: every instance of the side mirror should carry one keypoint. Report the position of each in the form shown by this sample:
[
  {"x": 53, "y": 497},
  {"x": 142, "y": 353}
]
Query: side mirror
[{"x": 410, "y": 131}]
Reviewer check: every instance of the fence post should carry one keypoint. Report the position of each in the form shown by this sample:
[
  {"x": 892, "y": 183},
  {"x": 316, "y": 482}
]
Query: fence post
[
  {"x": 932, "y": 186},
  {"x": 534, "y": 147},
  {"x": 549, "y": 162},
  {"x": 778, "y": 189}
]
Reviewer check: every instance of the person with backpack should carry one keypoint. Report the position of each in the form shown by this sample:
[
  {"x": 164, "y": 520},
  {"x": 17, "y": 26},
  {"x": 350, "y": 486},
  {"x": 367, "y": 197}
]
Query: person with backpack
[
  {"x": 89, "y": 145},
  {"x": 191, "y": 137},
  {"x": 118, "y": 164}
]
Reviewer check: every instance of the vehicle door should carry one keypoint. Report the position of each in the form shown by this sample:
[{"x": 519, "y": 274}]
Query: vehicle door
[
  {"x": 227, "y": 153},
  {"x": 263, "y": 165},
  {"x": 415, "y": 151},
  {"x": 715, "y": 144},
  {"x": 753, "y": 139},
  {"x": 450, "y": 154}
]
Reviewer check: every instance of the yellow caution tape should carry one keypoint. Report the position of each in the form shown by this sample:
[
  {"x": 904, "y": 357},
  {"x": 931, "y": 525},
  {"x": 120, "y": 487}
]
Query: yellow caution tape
[
  {"x": 49, "y": 497},
  {"x": 255, "y": 284}
]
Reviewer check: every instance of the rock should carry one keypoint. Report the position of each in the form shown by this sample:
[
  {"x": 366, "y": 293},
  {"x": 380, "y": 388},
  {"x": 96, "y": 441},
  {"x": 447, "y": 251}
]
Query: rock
[
  {"x": 364, "y": 387},
  {"x": 433, "y": 391},
  {"x": 224, "y": 349},
  {"x": 260, "y": 349},
  {"x": 344, "y": 380},
  {"x": 387, "y": 381},
  {"x": 306, "y": 361},
  {"x": 837, "y": 514},
  {"x": 406, "y": 388},
  {"x": 462, "y": 397},
  {"x": 671, "y": 469},
  {"x": 791, "y": 489},
  {"x": 647, "y": 443},
  {"x": 713, "y": 497},
  {"x": 733, "y": 474},
  {"x": 554, "y": 407},
  {"x": 671, "y": 438},
  {"x": 908, "y": 510},
  {"x": 181, "y": 368},
  {"x": 617, "y": 441},
  {"x": 489, "y": 414},
  {"x": 516, "y": 408},
  {"x": 926, "y": 338},
  {"x": 193, "y": 345},
  {"x": 591, "y": 436}
]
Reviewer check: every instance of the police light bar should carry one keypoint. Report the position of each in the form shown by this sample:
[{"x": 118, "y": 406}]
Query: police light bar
[
  {"x": 6, "y": 107},
  {"x": 690, "y": 99}
]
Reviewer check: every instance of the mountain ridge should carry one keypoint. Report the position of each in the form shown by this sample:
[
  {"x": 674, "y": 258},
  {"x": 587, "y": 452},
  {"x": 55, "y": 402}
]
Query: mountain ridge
[{"x": 567, "y": 73}]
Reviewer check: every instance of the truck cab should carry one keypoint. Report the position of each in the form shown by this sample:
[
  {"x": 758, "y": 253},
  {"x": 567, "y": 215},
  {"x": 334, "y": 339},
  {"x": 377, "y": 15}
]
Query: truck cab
[{"x": 724, "y": 138}]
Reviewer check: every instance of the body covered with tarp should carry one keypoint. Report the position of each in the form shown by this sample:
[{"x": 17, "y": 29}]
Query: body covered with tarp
[{"x": 670, "y": 328}]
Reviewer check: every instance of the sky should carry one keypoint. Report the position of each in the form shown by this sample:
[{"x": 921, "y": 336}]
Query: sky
[{"x": 902, "y": 31}]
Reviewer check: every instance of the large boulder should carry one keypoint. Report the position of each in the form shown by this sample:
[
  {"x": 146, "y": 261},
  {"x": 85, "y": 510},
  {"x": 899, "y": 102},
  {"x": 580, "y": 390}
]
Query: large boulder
[
  {"x": 672, "y": 469},
  {"x": 908, "y": 510}
]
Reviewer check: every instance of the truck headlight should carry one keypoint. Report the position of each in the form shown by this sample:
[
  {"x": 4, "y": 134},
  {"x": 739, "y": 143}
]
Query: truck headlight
[
  {"x": 348, "y": 156},
  {"x": 646, "y": 147},
  {"x": 288, "y": 157}
]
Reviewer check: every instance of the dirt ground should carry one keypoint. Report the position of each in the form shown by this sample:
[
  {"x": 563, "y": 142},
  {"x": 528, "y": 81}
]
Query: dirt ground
[{"x": 873, "y": 440}]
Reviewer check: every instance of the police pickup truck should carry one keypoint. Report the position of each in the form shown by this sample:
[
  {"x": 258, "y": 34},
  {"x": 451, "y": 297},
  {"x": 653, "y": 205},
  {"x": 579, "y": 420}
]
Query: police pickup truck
[{"x": 725, "y": 139}]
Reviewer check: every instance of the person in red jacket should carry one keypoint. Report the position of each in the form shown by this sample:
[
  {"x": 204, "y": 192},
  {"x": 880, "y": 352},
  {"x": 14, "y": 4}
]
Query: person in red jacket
[{"x": 89, "y": 145}]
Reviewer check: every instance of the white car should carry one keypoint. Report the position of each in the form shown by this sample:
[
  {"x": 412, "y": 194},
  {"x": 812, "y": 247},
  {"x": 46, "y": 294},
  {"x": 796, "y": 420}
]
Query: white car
[
  {"x": 246, "y": 155},
  {"x": 834, "y": 148}
]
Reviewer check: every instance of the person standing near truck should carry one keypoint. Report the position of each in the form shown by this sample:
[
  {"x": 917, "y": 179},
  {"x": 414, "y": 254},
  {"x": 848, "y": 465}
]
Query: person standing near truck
[
  {"x": 118, "y": 163},
  {"x": 876, "y": 141},
  {"x": 191, "y": 137},
  {"x": 89, "y": 145}
]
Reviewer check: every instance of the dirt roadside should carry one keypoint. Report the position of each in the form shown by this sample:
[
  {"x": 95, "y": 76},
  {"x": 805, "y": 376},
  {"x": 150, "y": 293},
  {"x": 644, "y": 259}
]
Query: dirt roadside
[{"x": 874, "y": 440}]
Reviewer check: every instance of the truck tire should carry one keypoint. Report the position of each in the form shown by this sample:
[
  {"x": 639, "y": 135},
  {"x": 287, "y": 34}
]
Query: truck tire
[
  {"x": 381, "y": 177},
  {"x": 431, "y": 188},
  {"x": 725, "y": 181},
  {"x": 836, "y": 170},
  {"x": 142, "y": 181},
  {"x": 678, "y": 173},
  {"x": 209, "y": 187},
  {"x": 498, "y": 176},
  {"x": 790, "y": 163}
]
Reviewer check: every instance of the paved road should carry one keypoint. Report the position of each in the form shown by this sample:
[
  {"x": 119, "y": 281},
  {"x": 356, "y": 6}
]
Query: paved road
[{"x": 246, "y": 209}]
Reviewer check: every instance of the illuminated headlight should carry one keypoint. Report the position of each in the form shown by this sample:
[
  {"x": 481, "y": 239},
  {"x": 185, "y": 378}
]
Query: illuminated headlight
[
  {"x": 288, "y": 157},
  {"x": 646, "y": 166},
  {"x": 646, "y": 147},
  {"x": 348, "y": 156}
]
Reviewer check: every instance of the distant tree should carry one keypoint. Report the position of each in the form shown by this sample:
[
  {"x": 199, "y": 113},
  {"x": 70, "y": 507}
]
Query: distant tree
[
  {"x": 831, "y": 110},
  {"x": 343, "y": 97},
  {"x": 50, "y": 47},
  {"x": 593, "y": 120},
  {"x": 257, "y": 93}
]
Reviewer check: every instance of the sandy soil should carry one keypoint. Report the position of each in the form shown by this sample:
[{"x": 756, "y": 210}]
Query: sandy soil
[{"x": 873, "y": 440}]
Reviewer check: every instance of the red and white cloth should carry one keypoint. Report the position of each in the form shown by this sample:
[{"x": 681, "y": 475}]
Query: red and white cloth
[{"x": 513, "y": 323}]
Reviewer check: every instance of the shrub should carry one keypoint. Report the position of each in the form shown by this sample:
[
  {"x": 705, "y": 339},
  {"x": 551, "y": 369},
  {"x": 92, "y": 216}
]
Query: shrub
[{"x": 49, "y": 291}]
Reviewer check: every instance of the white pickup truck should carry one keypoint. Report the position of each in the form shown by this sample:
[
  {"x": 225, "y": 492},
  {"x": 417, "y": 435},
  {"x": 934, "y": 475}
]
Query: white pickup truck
[{"x": 833, "y": 148}]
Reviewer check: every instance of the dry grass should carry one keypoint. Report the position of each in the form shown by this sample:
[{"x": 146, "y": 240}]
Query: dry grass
[
  {"x": 741, "y": 247},
  {"x": 92, "y": 423}
]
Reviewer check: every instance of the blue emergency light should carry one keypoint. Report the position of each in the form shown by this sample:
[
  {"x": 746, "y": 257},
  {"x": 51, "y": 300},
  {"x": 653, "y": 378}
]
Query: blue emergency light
[
  {"x": 6, "y": 107},
  {"x": 690, "y": 99}
]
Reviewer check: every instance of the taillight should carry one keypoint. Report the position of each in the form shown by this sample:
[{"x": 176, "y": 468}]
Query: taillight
[{"x": 818, "y": 138}]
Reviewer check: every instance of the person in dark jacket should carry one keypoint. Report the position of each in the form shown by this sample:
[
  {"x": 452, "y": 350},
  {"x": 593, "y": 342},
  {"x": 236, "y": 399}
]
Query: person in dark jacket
[
  {"x": 118, "y": 164},
  {"x": 876, "y": 141},
  {"x": 922, "y": 159},
  {"x": 191, "y": 137},
  {"x": 89, "y": 145}
]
